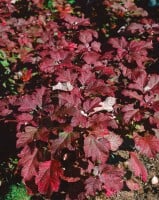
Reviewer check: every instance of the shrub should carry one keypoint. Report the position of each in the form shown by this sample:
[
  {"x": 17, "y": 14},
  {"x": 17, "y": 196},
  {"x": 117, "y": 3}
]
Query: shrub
[
  {"x": 79, "y": 104},
  {"x": 17, "y": 192}
]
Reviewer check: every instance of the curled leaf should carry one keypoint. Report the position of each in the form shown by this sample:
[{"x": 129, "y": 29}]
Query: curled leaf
[
  {"x": 63, "y": 86},
  {"x": 106, "y": 105}
]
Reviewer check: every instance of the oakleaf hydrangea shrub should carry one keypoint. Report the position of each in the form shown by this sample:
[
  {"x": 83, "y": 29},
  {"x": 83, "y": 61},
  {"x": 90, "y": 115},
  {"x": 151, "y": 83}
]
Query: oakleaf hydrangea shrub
[{"x": 80, "y": 109}]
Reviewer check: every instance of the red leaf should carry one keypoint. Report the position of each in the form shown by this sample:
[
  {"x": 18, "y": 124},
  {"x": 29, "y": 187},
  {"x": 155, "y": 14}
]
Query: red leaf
[
  {"x": 30, "y": 102},
  {"x": 118, "y": 43},
  {"x": 24, "y": 117},
  {"x": 86, "y": 76},
  {"x": 70, "y": 99},
  {"x": 134, "y": 51},
  {"x": 65, "y": 140},
  {"x": 76, "y": 21},
  {"x": 153, "y": 81},
  {"x": 156, "y": 131},
  {"x": 108, "y": 71},
  {"x": 89, "y": 104},
  {"x": 27, "y": 74},
  {"x": 114, "y": 140},
  {"x": 99, "y": 87},
  {"x": 66, "y": 76},
  {"x": 64, "y": 10},
  {"x": 70, "y": 179},
  {"x": 79, "y": 119},
  {"x": 155, "y": 119},
  {"x": 97, "y": 149},
  {"x": 135, "y": 28},
  {"x": 89, "y": 169},
  {"x": 112, "y": 177},
  {"x": 26, "y": 137},
  {"x": 42, "y": 134},
  {"x": 129, "y": 112},
  {"x": 139, "y": 79},
  {"x": 96, "y": 46},
  {"x": 28, "y": 161},
  {"x": 156, "y": 106},
  {"x": 86, "y": 36},
  {"x": 4, "y": 108},
  {"x": 27, "y": 104},
  {"x": 61, "y": 112},
  {"x": 48, "y": 177},
  {"x": 132, "y": 185},
  {"x": 59, "y": 56},
  {"x": 138, "y": 51},
  {"x": 132, "y": 94},
  {"x": 126, "y": 71},
  {"x": 91, "y": 57},
  {"x": 148, "y": 145},
  {"x": 98, "y": 124},
  {"x": 92, "y": 185},
  {"x": 99, "y": 132},
  {"x": 137, "y": 167},
  {"x": 38, "y": 3},
  {"x": 47, "y": 66}
]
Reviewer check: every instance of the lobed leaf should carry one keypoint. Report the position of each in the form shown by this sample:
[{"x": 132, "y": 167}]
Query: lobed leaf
[
  {"x": 49, "y": 177},
  {"x": 147, "y": 145},
  {"x": 137, "y": 167},
  {"x": 96, "y": 149}
]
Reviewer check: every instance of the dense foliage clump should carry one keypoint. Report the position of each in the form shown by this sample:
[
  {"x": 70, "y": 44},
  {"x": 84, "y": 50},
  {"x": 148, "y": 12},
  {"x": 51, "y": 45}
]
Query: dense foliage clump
[{"x": 80, "y": 93}]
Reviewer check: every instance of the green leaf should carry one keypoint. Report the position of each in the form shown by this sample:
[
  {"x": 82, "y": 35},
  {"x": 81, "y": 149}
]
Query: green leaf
[
  {"x": 17, "y": 192},
  {"x": 4, "y": 85},
  {"x": 49, "y": 4},
  {"x": 4, "y": 63},
  {"x": 71, "y": 1},
  {"x": 2, "y": 55},
  {"x": 11, "y": 80}
]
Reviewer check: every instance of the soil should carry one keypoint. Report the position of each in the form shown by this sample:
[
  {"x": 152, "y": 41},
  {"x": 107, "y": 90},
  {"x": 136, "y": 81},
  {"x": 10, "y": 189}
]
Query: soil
[{"x": 148, "y": 190}]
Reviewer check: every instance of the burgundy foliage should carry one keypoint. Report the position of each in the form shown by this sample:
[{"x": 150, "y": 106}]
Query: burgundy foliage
[{"x": 76, "y": 103}]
